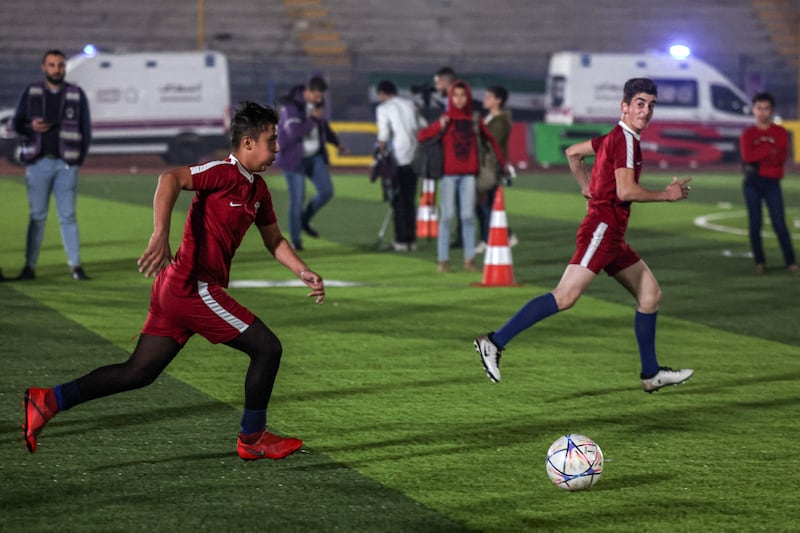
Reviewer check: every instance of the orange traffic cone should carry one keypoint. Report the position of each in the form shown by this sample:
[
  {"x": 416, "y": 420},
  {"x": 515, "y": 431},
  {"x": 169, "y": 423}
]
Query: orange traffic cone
[
  {"x": 427, "y": 221},
  {"x": 497, "y": 264}
]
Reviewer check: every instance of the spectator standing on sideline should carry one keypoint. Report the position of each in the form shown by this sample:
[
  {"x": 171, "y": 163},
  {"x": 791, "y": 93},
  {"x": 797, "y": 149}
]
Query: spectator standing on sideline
[
  {"x": 189, "y": 295},
  {"x": 444, "y": 78},
  {"x": 398, "y": 122},
  {"x": 457, "y": 127},
  {"x": 52, "y": 118},
  {"x": 498, "y": 121},
  {"x": 601, "y": 245},
  {"x": 303, "y": 133},
  {"x": 764, "y": 148}
]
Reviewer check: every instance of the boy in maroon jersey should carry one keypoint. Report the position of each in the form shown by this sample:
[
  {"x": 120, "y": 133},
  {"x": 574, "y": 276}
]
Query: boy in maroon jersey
[
  {"x": 600, "y": 241},
  {"x": 188, "y": 293},
  {"x": 764, "y": 147}
]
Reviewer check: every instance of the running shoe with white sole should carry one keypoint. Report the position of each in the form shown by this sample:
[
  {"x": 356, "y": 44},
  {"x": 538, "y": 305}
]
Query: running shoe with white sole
[
  {"x": 490, "y": 356},
  {"x": 666, "y": 376}
]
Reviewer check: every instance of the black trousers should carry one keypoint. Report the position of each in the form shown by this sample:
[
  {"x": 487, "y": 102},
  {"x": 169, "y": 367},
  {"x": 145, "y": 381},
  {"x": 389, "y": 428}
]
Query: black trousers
[{"x": 404, "y": 205}]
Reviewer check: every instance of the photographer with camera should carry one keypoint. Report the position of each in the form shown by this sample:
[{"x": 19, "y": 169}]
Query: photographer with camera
[
  {"x": 398, "y": 123},
  {"x": 303, "y": 133}
]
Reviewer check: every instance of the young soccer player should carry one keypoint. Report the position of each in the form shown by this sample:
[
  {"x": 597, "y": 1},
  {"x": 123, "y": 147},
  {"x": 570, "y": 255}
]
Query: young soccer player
[
  {"x": 188, "y": 294},
  {"x": 601, "y": 245}
]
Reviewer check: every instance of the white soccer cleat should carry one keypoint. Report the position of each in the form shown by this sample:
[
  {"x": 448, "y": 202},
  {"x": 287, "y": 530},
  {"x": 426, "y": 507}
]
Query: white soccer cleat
[
  {"x": 490, "y": 356},
  {"x": 666, "y": 376}
]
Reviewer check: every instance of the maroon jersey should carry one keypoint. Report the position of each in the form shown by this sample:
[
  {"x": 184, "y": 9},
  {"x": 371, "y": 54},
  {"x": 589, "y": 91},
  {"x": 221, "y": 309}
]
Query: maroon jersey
[
  {"x": 227, "y": 202},
  {"x": 619, "y": 148}
]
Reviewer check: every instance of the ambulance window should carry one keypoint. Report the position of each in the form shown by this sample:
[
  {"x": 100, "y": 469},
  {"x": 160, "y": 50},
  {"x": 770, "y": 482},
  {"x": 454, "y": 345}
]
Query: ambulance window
[
  {"x": 676, "y": 93},
  {"x": 557, "y": 86},
  {"x": 724, "y": 99}
]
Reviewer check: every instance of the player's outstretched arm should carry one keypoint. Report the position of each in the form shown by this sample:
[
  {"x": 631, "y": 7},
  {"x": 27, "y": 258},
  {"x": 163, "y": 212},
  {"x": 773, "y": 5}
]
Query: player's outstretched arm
[
  {"x": 280, "y": 248},
  {"x": 576, "y": 156},
  {"x": 158, "y": 253}
]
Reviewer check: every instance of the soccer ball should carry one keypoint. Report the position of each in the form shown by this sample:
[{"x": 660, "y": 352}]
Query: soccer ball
[{"x": 574, "y": 462}]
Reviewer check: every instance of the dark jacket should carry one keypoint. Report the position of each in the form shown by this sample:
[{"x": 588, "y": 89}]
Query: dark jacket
[
  {"x": 67, "y": 110},
  {"x": 294, "y": 124}
]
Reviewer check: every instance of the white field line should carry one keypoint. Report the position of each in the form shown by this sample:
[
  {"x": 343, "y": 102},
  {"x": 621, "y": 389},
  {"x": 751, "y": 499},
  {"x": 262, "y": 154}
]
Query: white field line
[{"x": 709, "y": 222}]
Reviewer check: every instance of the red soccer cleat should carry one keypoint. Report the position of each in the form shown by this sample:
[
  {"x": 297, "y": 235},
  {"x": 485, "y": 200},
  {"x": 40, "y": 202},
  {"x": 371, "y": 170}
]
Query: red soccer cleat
[
  {"x": 37, "y": 414},
  {"x": 268, "y": 446}
]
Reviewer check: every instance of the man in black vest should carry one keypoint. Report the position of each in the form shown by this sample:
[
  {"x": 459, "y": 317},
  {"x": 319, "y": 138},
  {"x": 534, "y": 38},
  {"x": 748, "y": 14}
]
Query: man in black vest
[{"x": 52, "y": 119}]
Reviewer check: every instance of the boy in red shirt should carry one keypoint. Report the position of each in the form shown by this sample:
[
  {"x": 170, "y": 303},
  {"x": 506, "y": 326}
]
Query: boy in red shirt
[
  {"x": 764, "y": 148},
  {"x": 188, "y": 294},
  {"x": 601, "y": 245}
]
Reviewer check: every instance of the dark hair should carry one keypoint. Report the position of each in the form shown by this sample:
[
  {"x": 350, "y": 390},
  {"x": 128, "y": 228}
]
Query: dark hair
[
  {"x": 446, "y": 72},
  {"x": 635, "y": 86},
  {"x": 52, "y": 52},
  {"x": 764, "y": 97},
  {"x": 317, "y": 83},
  {"x": 500, "y": 92},
  {"x": 251, "y": 119},
  {"x": 387, "y": 87}
]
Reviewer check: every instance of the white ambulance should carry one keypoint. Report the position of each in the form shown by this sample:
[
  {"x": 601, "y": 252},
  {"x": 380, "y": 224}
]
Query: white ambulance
[
  {"x": 587, "y": 87},
  {"x": 174, "y": 104}
]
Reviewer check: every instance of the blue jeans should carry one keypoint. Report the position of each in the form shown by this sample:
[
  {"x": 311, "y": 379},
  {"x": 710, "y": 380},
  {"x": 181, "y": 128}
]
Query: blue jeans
[
  {"x": 464, "y": 186},
  {"x": 44, "y": 176},
  {"x": 315, "y": 168},
  {"x": 757, "y": 189}
]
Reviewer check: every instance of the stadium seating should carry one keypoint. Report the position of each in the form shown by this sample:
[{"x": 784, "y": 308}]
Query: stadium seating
[{"x": 271, "y": 45}]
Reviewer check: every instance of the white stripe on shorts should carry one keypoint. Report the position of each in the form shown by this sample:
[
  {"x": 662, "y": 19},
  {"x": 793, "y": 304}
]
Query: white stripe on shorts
[
  {"x": 202, "y": 290},
  {"x": 597, "y": 238}
]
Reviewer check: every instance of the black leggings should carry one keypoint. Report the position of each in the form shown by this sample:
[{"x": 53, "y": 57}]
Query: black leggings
[{"x": 152, "y": 355}]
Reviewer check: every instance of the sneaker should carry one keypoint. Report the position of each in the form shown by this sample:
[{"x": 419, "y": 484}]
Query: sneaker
[
  {"x": 470, "y": 266},
  {"x": 666, "y": 376},
  {"x": 513, "y": 240},
  {"x": 78, "y": 274},
  {"x": 37, "y": 414},
  {"x": 480, "y": 247},
  {"x": 443, "y": 266},
  {"x": 27, "y": 273},
  {"x": 490, "y": 356},
  {"x": 400, "y": 247},
  {"x": 268, "y": 446}
]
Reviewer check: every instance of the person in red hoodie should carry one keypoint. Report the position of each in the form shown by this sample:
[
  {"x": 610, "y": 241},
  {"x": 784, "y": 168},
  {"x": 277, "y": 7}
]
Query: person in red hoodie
[
  {"x": 458, "y": 129},
  {"x": 764, "y": 148}
]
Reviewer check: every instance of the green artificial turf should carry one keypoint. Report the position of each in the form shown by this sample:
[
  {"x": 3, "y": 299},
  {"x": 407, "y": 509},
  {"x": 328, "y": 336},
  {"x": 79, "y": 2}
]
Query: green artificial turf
[{"x": 402, "y": 429}]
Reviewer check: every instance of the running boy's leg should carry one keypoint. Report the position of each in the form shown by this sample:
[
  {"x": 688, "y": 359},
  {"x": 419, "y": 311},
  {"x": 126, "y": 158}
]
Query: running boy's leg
[
  {"x": 150, "y": 357},
  {"x": 573, "y": 282},
  {"x": 642, "y": 284},
  {"x": 264, "y": 349}
]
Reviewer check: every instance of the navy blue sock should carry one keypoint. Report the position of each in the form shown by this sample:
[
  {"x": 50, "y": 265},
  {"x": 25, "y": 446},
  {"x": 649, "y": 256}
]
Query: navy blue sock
[
  {"x": 67, "y": 395},
  {"x": 644, "y": 325},
  {"x": 529, "y": 314},
  {"x": 254, "y": 420}
]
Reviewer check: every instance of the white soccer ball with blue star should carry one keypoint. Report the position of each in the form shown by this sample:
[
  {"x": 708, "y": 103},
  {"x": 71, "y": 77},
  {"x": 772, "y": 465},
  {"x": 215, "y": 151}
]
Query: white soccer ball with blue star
[{"x": 574, "y": 462}]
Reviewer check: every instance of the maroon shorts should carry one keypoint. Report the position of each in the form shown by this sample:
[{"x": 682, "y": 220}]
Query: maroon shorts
[
  {"x": 598, "y": 248},
  {"x": 205, "y": 309}
]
